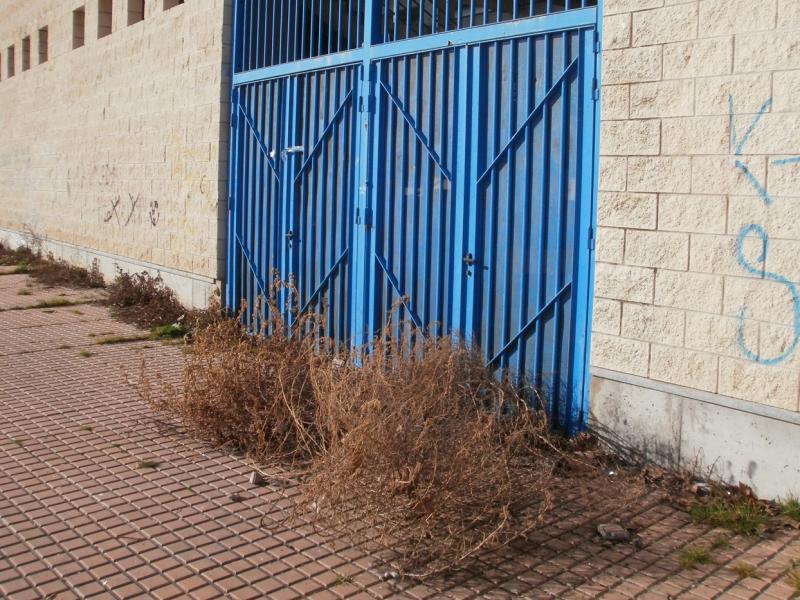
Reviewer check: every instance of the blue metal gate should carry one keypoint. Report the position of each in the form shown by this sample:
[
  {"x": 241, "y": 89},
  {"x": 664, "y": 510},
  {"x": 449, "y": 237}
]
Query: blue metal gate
[{"x": 440, "y": 155}]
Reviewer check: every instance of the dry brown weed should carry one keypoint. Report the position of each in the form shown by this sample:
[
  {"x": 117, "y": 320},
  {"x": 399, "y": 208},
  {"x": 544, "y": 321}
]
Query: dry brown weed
[{"x": 415, "y": 444}]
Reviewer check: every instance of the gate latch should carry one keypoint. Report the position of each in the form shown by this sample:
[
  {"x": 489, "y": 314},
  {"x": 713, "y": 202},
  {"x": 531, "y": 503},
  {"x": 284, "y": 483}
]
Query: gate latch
[
  {"x": 293, "y": 150},
  {"x": 289, "y": 237},
  {"x": 469, "y": 260}
]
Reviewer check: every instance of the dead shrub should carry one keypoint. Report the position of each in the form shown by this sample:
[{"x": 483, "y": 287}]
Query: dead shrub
[
  {"x": 16, "y": 257},
  {"x": 143, "y": 300},
  {"x": 49, "y": 270},
  {"x": 434, "y": 453},
  {"x": 416, "y": 444},
  {"x": 248, "y": 392},
  {"x": 57, "y": 272}
]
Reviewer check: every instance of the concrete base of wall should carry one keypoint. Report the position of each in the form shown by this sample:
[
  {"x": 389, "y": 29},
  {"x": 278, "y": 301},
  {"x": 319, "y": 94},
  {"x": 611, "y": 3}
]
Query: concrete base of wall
[
  {"x": 192, "y": 290},
  {"x": 736, "y": 441}
]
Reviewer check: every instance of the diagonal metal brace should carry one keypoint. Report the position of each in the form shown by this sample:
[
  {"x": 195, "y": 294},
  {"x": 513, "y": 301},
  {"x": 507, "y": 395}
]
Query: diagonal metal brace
[
  {"x": 530, "y": 324},
  {"x": 420, "y": 136},
  {"x": 396, "y": 285},
  {"x": 324, "y": 281},
  {"x": 537, "y": 109},
  {"x": 259, "y": 139},
  {"x": 323, "y": 135}
]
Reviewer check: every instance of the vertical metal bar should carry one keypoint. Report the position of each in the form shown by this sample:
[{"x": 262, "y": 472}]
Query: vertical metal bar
[
  {"x": 555, "y": 409},
  {"x": 334, "y": 188},
  {"x": 328, "y": 27},
  {"x": 426, "y": 288},
  {"x": 543, "y": 210},
  {"x": 405, "y": 173},
  {"x": 414, "y": 248},
  {"x": 363, "y": 231},
  {"x": 510, "y": 205},
  {"x": 339, "y": 27},
  {"x": 445, "y": 276},
  {"x": 526, "y": 184},
  {"x": 247, "y": 237},
  {"x": 277, "y": 98},
  {"x": 490, "y": 343},
  {"x": 232, "y": 279},
  {"x": 258, "y": 179},
  {"x": 589, "y": 69}
]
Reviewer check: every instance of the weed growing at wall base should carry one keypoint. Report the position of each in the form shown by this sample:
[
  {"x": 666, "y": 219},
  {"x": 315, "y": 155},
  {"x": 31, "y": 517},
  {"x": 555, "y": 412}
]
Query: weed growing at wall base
[
  {"x": 745, "y": 516},
  {"x": 416, "y": 442},
  {"x": 49, "y": 270},
  {"x": 143, "y": 300}
]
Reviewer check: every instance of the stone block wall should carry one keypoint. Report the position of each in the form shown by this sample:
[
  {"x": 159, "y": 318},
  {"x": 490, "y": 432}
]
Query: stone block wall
[
  {"x": 117, "y": 146},
  {"x": 698, "y": 249}
]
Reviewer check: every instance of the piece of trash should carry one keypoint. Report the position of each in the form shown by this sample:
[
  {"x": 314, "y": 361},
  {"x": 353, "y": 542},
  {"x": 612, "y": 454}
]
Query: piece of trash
[
  {"x": 701, "y": 489},
  {"x": 387, "y": 575},
  {"x": 257, "y": 478},
  {"x": 236, "y": 497},
  {"x": 612, "y": 473},
  {"x": 613, "y": 532}
]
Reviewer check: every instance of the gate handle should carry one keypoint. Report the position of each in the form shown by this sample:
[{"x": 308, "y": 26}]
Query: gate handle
[{"x": 293, "y": 150}]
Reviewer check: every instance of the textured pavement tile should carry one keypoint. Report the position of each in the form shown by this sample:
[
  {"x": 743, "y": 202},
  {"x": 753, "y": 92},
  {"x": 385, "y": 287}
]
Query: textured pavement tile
[{"x": 81, "y": 518}]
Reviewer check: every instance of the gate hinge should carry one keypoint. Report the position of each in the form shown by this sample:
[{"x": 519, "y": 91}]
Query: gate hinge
[
  {"x": 591, "y": 238},
  {"x": 368, "y": 106},
  {"x": 597, "y": 42},
  {"x": 595, "y": 89}
]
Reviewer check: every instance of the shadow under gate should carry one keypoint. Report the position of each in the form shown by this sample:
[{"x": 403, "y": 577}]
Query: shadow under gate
[{"x": 440, "y": 156}]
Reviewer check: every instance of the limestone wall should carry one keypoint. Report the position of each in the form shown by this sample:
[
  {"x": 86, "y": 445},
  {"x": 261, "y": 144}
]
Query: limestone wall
[
  {"x": 115, "y": 145},
  {"x": 698, "y": 274}
]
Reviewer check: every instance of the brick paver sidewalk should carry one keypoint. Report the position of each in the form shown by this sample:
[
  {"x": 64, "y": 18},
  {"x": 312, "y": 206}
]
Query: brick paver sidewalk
[{"x": 101, "y": 498}]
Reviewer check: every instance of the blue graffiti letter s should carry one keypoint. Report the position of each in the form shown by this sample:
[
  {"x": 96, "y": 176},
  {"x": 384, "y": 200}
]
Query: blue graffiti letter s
[{"x": 762, "y": 273}]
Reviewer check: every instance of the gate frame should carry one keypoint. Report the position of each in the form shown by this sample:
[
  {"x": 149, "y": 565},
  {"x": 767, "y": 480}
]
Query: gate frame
[{"x": 366, "y": 55}]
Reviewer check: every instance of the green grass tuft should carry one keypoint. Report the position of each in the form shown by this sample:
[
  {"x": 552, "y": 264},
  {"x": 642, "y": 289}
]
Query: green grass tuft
[
  {"x": 168, "y": 332},
  {"x": 744, "y": 570},
  {"x": 694, "y": 556},
  {"x": 148, "y": 464},
  {"x": 24, "y": 292},
  {"x": 86, "y": 353},
  {"x": 120, "y": 339},
  {"x": 790, "y": 508},
  {"x": 741, "y": 516},
  {"x": 54, "y": 303},
  {"x": 720, "y": 543},
  {"x": 793, "y": 578}
]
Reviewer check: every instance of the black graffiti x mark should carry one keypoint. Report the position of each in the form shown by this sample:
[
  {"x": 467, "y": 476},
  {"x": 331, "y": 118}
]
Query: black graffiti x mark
[{"x": 114, "y": 211}]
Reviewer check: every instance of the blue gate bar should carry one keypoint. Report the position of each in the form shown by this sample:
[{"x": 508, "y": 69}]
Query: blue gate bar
[
  {"x": 575, "y": 19},
  {"x": 432, "y": 161}
]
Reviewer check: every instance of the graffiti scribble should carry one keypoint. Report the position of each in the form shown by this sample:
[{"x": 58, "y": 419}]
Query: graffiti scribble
[
  {"x": 113, "y": 212},
  {"x": 759, "y": 269},
  {"x": 762, "y": 273},
  {"x": 154, "y": 213}
]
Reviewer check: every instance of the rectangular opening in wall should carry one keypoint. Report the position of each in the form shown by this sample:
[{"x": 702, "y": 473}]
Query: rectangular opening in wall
[
  {"x": 10, "y": 66},
  {"x": 135, "y": 11},
  {"x": 26, "y": 53},
  {"x": 104, "y": 18},
  {"x": 172, "y": 4},
  {"x": 78, "y": 27},
  {"x": 43, "y": 42}
]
